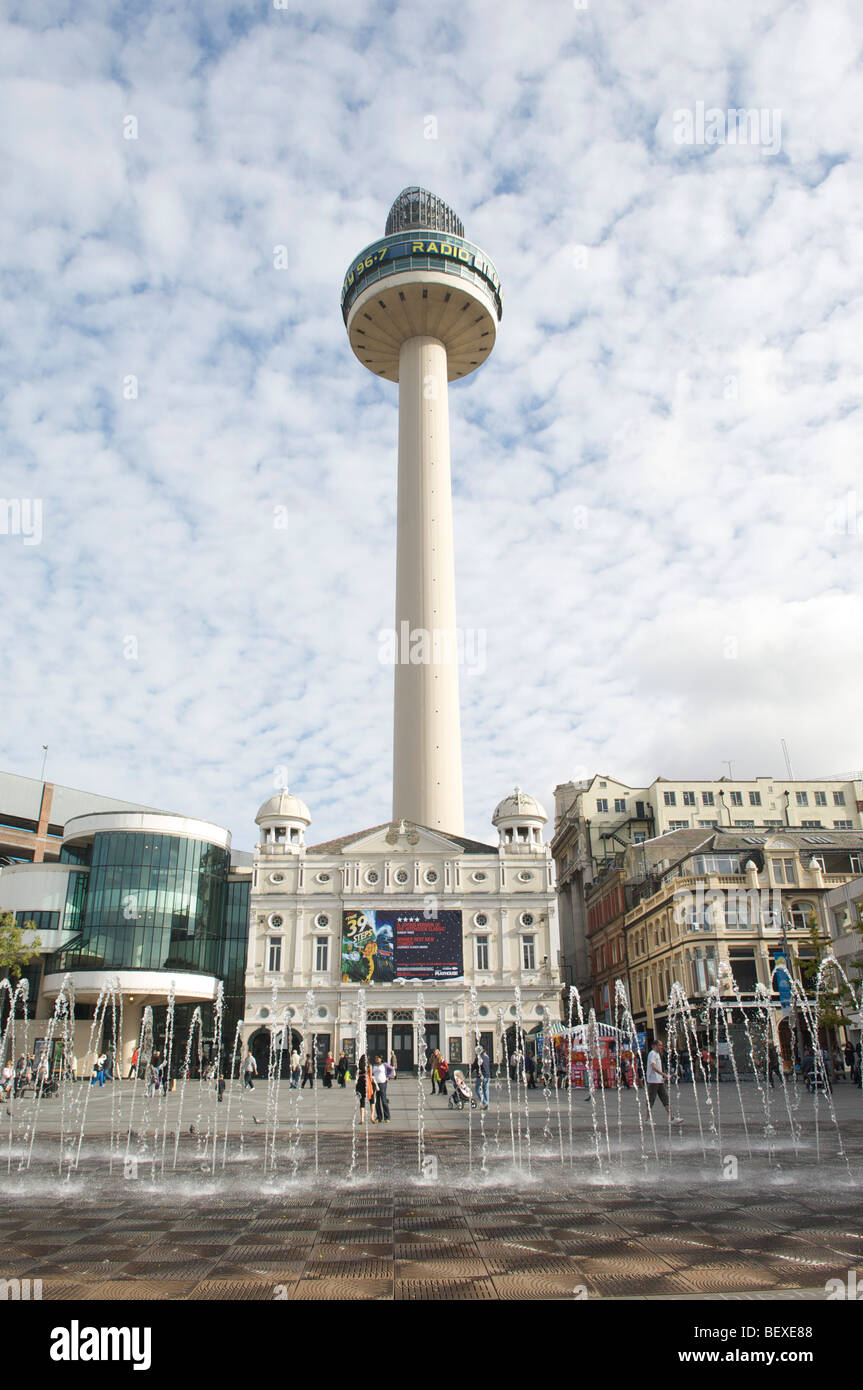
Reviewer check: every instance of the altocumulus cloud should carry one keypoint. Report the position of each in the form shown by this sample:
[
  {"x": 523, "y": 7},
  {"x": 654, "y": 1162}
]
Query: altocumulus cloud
[{"x": 656, "y": 476}]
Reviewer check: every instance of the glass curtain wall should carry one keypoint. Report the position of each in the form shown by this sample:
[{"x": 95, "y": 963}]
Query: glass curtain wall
[{"x": 154, "y": 902}]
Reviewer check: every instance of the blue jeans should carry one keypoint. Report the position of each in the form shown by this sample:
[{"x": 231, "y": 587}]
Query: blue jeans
[
  {"x": 382, "y": 1105},
  {"x": 482, "y": 1089}
]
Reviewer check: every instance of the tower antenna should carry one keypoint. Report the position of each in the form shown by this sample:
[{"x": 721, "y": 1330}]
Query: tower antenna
[{"x": 787, "y": 757}]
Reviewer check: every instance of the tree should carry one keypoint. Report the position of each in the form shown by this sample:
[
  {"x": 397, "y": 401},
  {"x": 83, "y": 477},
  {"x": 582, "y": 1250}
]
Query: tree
[
  {"x": 830, "y": 1001},
  {"x": 13, "y": 952}
]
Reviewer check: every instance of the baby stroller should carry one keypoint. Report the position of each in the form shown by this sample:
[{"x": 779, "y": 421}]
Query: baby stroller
[
  {"x": 818, "y": 1080},
  {"x": 461, "y": 1095}
]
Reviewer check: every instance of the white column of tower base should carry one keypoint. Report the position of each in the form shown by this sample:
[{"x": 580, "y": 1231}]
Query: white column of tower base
[{"x": 427, "y": 774}]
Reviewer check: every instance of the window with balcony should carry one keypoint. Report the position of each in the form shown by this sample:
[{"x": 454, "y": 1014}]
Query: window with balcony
[{"x": 716, "y": 864}]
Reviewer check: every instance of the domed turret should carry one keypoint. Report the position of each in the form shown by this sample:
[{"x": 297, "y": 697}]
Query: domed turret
[
  {"x": 519, "y": 819},
  {"x": 283, "y": 819}
]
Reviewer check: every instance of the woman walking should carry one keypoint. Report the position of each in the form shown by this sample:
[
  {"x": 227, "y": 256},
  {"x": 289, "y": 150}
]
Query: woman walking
[
  {"x": 341, "y": 1069},
  {"x": 329, "y": 1071},
  {"x": 439, "y": 1072},
  {"x": 365, "y": 1089}
]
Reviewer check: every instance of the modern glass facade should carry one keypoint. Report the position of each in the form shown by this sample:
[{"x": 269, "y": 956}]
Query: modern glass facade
[
  {"x": 153, "y": 902},
  {"x": 231, "y": 970}
]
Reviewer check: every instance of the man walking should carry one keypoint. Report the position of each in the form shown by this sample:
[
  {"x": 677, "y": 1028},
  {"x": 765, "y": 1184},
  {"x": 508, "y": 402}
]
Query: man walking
[
  {"x": 656, "y": 1078},
  {"x": 250, "y": 1071}
]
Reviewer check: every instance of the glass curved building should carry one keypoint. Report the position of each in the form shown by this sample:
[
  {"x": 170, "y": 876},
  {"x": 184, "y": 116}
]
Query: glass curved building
[
  {"x": 155, "y": 901},
  {"x": 154, "y": 914}
]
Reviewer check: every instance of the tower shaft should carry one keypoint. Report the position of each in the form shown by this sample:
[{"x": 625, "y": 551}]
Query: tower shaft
[{"x": 427, "y": 766}]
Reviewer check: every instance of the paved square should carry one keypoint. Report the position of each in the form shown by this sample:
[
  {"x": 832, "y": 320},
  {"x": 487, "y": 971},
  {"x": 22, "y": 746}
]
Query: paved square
[{"x": 279, "y": 1194}]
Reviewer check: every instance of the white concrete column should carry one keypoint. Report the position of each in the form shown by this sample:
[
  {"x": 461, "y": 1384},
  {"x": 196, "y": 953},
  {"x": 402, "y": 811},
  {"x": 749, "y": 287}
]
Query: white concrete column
[{"x": 427, "y": 773}]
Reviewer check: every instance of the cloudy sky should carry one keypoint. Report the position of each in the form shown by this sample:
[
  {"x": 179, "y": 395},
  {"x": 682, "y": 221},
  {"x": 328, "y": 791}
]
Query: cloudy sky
[{"x": 658, "y": 505}]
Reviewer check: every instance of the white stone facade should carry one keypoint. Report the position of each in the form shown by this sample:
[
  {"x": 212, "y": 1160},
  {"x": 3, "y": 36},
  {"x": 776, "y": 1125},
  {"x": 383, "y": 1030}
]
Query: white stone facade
[{"x": 505, "y": 894}]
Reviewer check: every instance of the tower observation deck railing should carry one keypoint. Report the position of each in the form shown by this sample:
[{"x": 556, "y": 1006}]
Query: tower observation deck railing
[{"x": 395, "y": 255}]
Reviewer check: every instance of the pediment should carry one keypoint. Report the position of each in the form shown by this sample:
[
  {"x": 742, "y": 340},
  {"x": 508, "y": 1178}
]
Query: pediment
[{"x": 409, "y": 842}]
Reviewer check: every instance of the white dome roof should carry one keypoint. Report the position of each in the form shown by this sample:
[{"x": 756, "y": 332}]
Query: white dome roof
[
  {"x": 519, "y": 806},
  {"x": 284, "y": 806}
]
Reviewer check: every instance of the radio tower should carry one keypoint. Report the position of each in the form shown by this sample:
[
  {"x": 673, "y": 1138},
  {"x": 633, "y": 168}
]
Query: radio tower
[{"x": 421, "y": 307}]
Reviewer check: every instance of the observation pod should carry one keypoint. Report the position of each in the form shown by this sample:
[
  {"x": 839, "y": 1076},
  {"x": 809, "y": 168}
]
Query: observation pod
[{"x": 421, "y": 307}]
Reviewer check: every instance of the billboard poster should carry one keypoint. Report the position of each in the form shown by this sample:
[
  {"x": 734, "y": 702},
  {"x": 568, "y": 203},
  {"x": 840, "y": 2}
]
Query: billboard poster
[{"x": 380, "y": 945}]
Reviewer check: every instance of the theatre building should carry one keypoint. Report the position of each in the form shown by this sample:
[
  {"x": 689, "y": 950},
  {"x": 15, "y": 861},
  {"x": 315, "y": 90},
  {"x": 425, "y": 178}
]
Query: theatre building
[{"x": 411, "y": 916}]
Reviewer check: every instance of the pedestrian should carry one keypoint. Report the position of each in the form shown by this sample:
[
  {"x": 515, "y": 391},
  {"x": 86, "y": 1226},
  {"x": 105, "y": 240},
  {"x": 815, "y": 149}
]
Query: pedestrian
[
  {"x": 308, "y": 1072},
  {"x": 329, "y": 1071},
  {"x": 394, "y": 1063},
  {"x": 380, "y": 1078},
  {"x": 772, "y": 1064},
  {"x": 364, "y": 1089},
  {"x": 7, "y": 1084},
  {"x": 133, "y": 1067},
  {"x": 341, "y": 1069},
  {"x": 440, "y": 1072},
  {"x": 483, "y": 1076},
  {"x": 849, "y": 1059},
  {"x": 98, "y": 1070},
  {"x": 656, "y": 1078},
  {"x": 295, "y": 1069},
  {"x": 530, "y": 1072},
  {"x": 220, "y": 1088},
  {"x": 250, "y": 1071}
]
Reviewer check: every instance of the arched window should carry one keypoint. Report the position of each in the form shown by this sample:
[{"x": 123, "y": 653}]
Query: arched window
[{"x": 801, "y": 911}]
